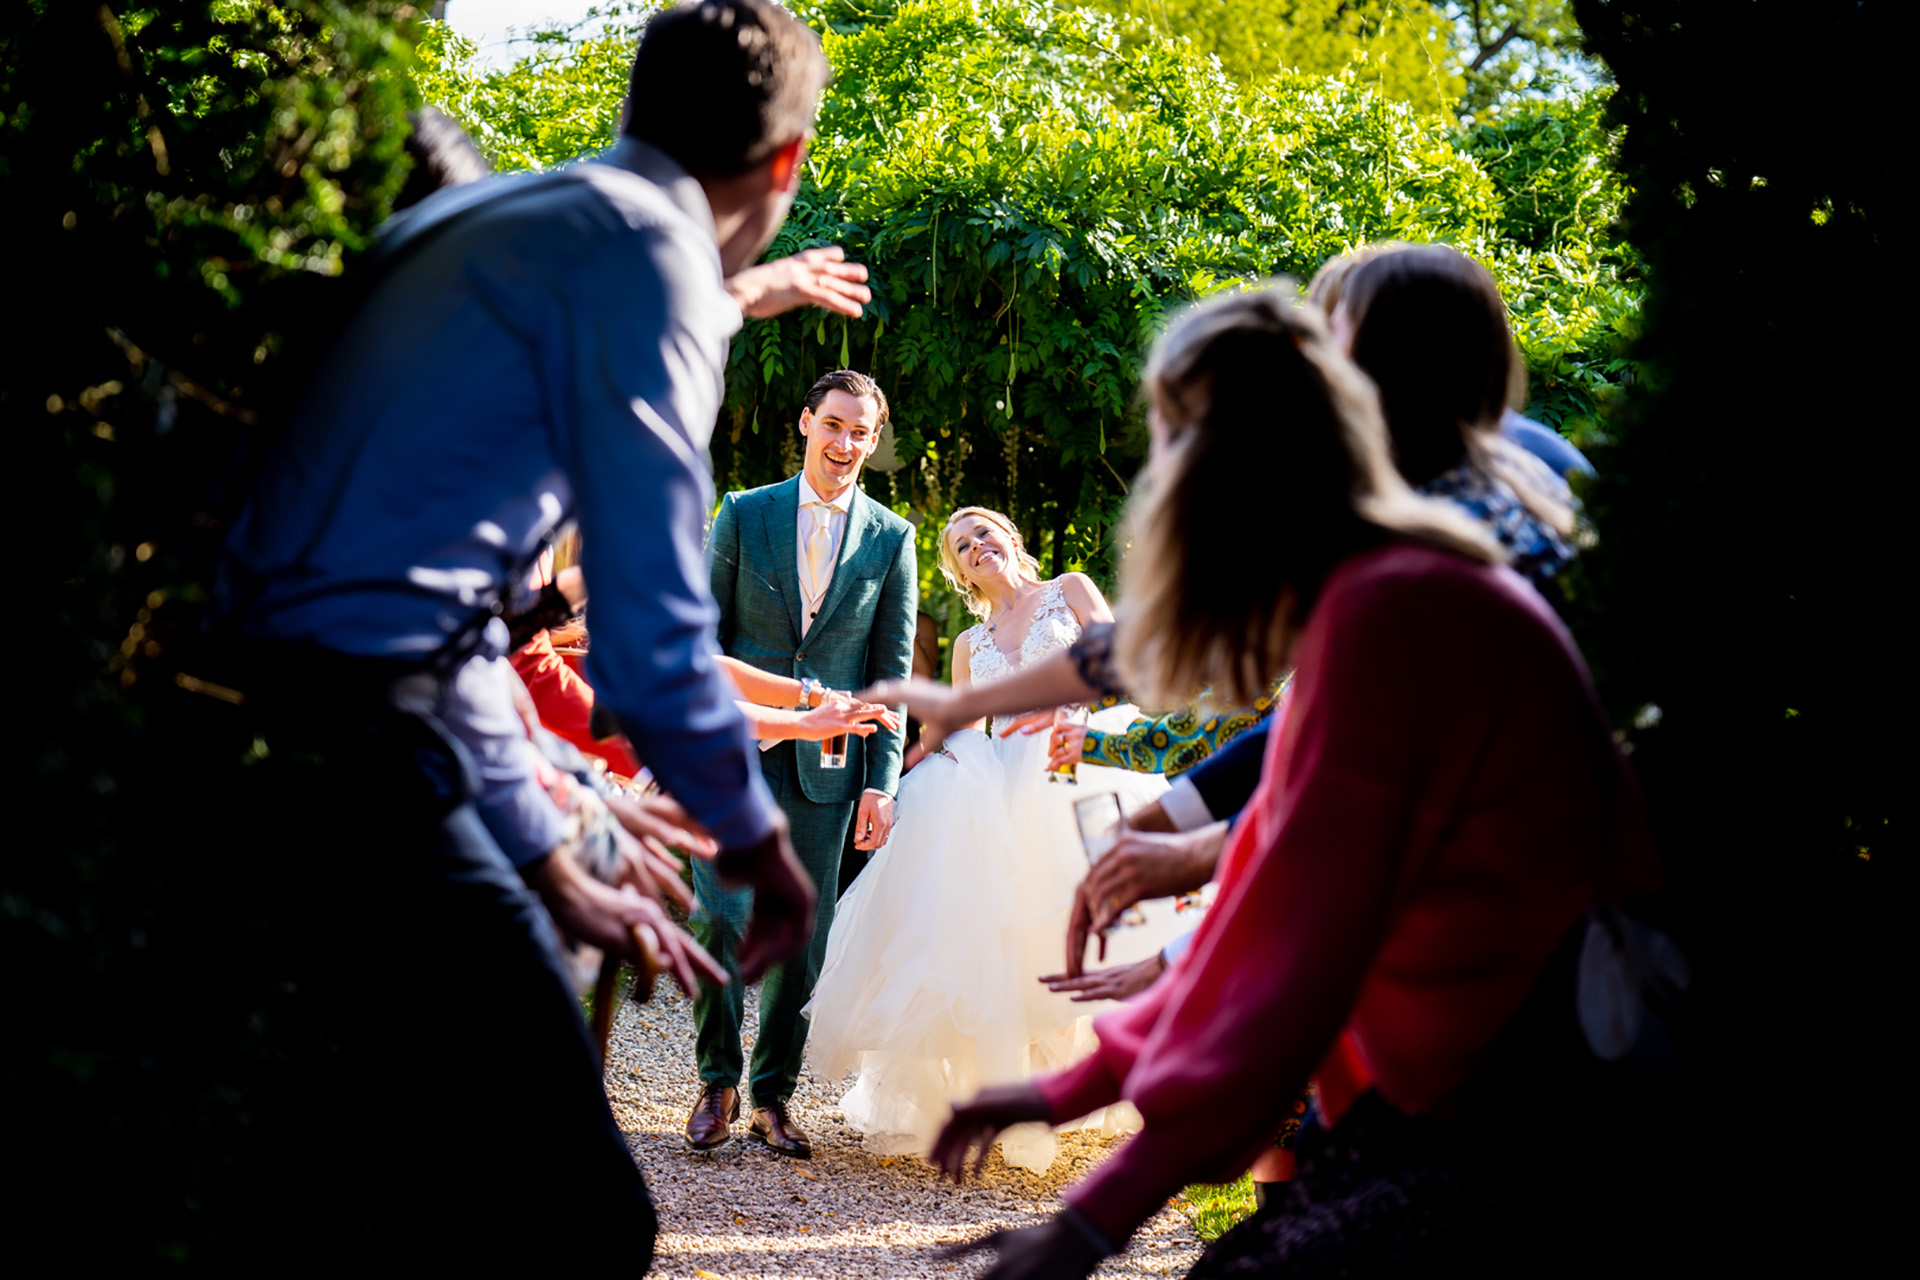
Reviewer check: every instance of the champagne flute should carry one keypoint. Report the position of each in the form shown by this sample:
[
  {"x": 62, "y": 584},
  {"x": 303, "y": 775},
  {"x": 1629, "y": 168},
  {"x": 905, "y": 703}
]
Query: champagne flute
[{"x": 1101, "y": 822}]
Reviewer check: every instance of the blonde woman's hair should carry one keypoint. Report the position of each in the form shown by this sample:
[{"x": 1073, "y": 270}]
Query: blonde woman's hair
[
  {"x": 950, "y": 563},
  {"x": 1276, "y": 468}
]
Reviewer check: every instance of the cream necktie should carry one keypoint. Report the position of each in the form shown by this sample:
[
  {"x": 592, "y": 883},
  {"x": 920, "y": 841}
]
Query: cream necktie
[{"x": 819, "y": 560}]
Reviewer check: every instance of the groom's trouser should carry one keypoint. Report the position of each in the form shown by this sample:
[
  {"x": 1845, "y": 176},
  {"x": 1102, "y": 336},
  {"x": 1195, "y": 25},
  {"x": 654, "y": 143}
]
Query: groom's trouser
[{"x": 819, "y": 832}]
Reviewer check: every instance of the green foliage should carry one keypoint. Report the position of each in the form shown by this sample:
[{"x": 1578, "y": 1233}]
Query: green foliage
[
  {"x": 1033, "y": 188},
  {"x": 559, "y": 100},
  {"x": 1401, "y": 48},
  {"x": 1216, "y": 1210},
  {"x": 1572, "y": 283},
  {"x": 182, "y": 183},
  {"x": 1515, "y": 51}
]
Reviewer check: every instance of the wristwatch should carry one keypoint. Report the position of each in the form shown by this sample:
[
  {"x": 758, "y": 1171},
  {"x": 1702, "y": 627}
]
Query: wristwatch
[{"x": 812, "y": 694}]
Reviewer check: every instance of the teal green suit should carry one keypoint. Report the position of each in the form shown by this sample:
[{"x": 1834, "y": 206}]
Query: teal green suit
[{"x": 862, "y": 633}]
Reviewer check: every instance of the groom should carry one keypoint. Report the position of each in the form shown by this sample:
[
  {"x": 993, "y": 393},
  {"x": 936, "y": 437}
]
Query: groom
[{"x": 815, "y": 581}]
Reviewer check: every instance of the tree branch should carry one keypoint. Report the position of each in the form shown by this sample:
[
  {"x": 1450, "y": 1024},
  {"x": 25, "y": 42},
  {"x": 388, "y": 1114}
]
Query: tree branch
[{"x": 1487, "y": 51}]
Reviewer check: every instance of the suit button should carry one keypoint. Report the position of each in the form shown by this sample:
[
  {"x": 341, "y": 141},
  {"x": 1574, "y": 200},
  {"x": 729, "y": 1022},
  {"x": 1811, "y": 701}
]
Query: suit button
[{"x": 799, "y": 657}]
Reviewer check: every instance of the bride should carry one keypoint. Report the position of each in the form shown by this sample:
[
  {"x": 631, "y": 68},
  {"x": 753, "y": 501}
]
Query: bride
[{"x": 930, "y": 988}]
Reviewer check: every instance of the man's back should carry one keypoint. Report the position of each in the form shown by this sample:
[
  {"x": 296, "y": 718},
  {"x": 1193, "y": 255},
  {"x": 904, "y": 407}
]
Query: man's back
[{"x": 424, "y": 474}]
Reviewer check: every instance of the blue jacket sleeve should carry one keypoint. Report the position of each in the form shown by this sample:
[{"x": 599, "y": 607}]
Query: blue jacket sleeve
[
  {"x": 1227, "y": 778},
  {"x": 642, "y": 364}
]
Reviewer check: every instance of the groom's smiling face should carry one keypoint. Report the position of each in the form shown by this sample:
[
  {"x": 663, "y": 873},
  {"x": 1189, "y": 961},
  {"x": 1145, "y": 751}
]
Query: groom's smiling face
[{"x": 841, "y": 434}]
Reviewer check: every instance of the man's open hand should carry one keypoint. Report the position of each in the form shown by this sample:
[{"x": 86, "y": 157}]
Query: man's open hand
[
  {"x": 811, "y": 278},
  {"x": 620, "y": 921},
  {"x": 1121, "y": 982}
]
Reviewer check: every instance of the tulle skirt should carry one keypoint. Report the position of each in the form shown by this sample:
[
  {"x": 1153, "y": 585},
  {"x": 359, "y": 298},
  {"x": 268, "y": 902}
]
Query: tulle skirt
[{"x": 930, "y": 988}]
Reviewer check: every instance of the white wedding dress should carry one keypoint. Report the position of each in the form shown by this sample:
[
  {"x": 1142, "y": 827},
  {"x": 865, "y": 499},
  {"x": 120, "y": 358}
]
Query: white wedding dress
[{"x": 930, "y": 988}]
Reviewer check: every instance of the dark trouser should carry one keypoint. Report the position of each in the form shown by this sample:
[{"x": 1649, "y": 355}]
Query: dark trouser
[
  {"x": 819, "y": 831},
  {"x": 447, "y": 1104}
]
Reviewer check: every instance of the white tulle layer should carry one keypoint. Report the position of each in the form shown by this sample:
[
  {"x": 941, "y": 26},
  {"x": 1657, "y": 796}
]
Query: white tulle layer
[{"x": 930, "y": 986}]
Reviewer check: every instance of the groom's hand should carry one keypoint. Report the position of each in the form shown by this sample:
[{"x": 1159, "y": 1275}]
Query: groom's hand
[{"x": 873, "y": 822}]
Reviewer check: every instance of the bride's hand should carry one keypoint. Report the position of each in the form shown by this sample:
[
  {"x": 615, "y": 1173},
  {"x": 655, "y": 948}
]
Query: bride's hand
[
  {"x": 1030, "y": 722},
  {"x": 941, "y": 708},
  {"x": 970, "y": 1131}
]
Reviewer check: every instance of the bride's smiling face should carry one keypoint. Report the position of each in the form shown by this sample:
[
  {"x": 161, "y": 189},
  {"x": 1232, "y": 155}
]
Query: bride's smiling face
[{"x": 983, "y": 550}]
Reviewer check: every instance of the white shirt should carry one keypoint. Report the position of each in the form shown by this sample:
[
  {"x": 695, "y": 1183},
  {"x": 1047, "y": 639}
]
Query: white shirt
[{"x": 803, "y": 530}]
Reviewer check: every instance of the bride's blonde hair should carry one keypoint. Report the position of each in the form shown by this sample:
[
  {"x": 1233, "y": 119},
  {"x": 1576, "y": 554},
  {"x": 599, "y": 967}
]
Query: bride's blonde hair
[
  {"x": 1277, "y": 467},
  {"x": 956, "y": 577}
]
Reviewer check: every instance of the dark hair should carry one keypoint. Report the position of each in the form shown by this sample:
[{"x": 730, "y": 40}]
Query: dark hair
[
  {"x": 854, "y": 384},
  {"x": 1273, "y": 440},
  {"x": 720, "y": 85},
  {"x": 443, "y": 156},
  {"x": 1430, "y": 329}
]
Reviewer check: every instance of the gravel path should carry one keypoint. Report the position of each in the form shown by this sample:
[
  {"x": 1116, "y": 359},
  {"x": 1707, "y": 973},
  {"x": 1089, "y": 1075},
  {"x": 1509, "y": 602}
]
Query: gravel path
[{"x": 744, "y": 1214}]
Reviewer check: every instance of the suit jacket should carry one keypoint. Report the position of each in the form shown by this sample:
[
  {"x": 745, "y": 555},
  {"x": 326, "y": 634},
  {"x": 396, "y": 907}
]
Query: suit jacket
[{"x": 864, "y": 631}]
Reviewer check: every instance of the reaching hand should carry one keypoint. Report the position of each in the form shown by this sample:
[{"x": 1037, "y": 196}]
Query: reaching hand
[
  {"x": 970, "y": 1131},
  {"x": 1118, "y": 983},
  {"x": 842, "y": 713},
  {"x": 1028, "y": 722},
  {"x": 812, "y": 278},
  {"x": 783, "y": 901},
  {"x": 940, "y": 708},
  {"x": 873, "y": 822},
  {"x": 660, "y": 825},
  {"x": 1067, "y": 745},
  {"x": 1146, "y": 864},
  {"x": 620, "y": 921},
  {"x": 1051, "y": 1251}
]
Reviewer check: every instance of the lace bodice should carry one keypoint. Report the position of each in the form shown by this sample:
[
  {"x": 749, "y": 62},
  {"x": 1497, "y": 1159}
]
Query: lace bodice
[{"x": 1054, "y": 627}]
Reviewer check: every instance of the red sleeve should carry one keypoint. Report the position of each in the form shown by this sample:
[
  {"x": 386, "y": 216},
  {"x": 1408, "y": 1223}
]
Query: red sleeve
[
  {"x": 1278, "y": 963},
  {"x": 565, "y": 703}
]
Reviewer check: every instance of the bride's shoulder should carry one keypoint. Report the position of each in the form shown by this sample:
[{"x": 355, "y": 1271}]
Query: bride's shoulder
[{"x": 1079, "y": 592}]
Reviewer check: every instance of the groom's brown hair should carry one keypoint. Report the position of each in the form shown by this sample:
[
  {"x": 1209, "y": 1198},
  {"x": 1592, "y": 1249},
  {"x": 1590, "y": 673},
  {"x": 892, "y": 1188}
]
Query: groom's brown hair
[{"x": 854, "y": 384}]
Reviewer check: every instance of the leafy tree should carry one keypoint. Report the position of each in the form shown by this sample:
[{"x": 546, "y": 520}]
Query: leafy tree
[
  {"x": 187, "y": 181},
  {"x": 1402, "y": 48},
  {"x": 1746, "y": 590},
  {"x": 1516, "y": 50},
  {"x": 1033, "y": 187}
]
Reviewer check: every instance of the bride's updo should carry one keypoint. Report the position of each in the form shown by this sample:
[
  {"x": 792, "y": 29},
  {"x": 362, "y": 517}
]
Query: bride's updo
[{"x": 950, "y": 563}]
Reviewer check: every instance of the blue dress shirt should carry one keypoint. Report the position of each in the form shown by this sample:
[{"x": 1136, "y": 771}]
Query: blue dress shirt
[{"x": 542, "y": 347}]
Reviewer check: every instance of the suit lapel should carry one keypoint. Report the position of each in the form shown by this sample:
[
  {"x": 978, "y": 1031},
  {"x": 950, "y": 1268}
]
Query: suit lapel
[
  {"x": 780, "y": 517},
  {"x": 860, "y": 522}
]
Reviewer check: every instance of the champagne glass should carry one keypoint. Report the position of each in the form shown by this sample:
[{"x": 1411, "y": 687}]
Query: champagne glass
[{"x": 1101, "y": 822}]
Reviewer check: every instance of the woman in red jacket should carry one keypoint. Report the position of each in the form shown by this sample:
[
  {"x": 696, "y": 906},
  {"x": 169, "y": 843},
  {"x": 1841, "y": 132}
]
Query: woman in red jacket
[{"x": 1441, "y": 806}]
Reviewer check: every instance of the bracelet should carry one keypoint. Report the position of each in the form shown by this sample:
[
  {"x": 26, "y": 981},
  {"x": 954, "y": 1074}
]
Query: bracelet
[{"x": 810, "y": 689}]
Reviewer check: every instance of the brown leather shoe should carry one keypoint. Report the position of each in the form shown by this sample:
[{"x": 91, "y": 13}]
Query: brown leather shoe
[
  {"x": 710, "y": 1127},
  {"x": 775, "y": 1128}
]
